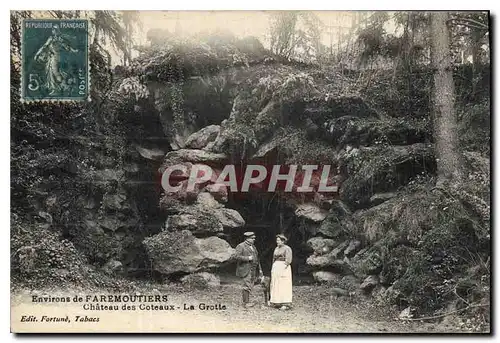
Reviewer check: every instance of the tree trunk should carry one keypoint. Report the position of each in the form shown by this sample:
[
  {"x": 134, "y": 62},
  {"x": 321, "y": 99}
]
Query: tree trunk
[
  {"x": 476, "y": 45},
  {"x": 445, "y": 121}
]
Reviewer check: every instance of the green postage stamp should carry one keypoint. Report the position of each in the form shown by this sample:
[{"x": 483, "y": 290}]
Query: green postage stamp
[{"x": 55, "y": 55}]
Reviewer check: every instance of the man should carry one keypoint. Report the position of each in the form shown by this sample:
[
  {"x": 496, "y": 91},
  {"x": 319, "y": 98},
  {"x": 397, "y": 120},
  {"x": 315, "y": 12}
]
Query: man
[{"x": 248, "y": 268}]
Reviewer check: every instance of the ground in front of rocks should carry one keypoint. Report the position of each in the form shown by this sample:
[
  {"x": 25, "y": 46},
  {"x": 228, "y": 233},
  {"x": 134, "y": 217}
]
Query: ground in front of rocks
[{"x": 314, "y": 310}]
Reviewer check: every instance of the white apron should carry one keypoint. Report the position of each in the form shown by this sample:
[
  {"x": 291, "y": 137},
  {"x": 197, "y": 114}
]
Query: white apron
[{"x": 281, "y": 283}]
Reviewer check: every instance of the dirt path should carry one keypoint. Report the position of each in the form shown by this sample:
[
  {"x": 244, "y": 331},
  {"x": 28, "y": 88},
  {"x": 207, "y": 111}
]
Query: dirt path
[{"x": 314, "y": 311}]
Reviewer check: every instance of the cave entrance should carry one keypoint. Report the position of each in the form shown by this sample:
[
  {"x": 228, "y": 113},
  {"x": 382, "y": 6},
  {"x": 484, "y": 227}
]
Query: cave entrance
[{"x": 268, "y": 214}]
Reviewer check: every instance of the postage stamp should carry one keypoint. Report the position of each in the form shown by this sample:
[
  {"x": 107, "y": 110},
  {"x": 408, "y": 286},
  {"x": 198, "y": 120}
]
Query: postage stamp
[{"x": 55, "y": 60}]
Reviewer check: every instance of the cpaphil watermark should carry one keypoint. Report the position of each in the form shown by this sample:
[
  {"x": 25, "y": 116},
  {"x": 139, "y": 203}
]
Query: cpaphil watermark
[{"x": 252, "y": 177}]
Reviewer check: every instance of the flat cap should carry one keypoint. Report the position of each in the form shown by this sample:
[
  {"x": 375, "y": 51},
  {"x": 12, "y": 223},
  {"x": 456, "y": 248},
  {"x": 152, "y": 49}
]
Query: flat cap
[{"x": 249, "y": 234}]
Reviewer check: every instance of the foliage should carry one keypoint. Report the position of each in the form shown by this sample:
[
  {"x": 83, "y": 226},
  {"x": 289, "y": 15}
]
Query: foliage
[
  {"x": 470, "y": 33},
  {"x": 375, "y": 41},
  {"x": 178, "y": 58},
  {"x": 132, "y": 86},
  {"x": 262, "y": 105},
  {"x": 382, "y": 169},
  {"x": 355, "y": 131},
  {"x": 475, "y": 126},
  {"x": 427, "y": 240},
  {"x": 296, "y": 35}
]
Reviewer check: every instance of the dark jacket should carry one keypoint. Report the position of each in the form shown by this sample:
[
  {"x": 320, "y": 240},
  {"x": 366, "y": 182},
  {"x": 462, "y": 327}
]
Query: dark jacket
[{"x": 241, "y": 254}]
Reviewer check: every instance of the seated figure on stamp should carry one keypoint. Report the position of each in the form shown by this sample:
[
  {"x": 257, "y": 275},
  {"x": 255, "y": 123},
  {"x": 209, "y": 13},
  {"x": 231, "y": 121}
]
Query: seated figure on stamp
[{"x": 50, "y": 54}]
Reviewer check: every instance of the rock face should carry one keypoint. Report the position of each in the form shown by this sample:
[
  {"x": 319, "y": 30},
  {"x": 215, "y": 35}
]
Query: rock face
[
  {"x": 195, "y": 156},
  {"x": 352, "y": 248},
  {"x": 218, "y": 191},
  {"x": 229, "y": 218},
  {"x": 367, "y": 262},
  {"x": 202, "y": 138},
  {"x": 173, "y": 252},
  {"x": 204, "y": 218},
  {"x": 194, "y": 235},
  {"x": 339, "y": 250},
  {"x": 151, "y": 154},
  {"x": 336, "y": 226},
  {"x": 207, "y": 200},
  {"x": 320, "y": 245},
  {"x": 311, "y": 212},
  {"x": 328, "y": 262},
  {"x": 326, "y": 277},
  {"x": 199, "y": 223},
  {"x": 369, "y": 283},
  {"x": 331, "y": 226}
]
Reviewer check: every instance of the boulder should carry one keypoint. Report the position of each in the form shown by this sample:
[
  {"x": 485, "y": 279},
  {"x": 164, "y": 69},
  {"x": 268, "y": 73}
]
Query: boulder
[
  {"x": 326, "y": 277},
  {"x": 209, "y": 146},
  {"x": 207, "y": 200},
  {"x": 170, "y": 203},
  {"x": 311, "y": 212},
  {"x": 376, "y": 221},
  {"x": 116, "y": 222},
  {"x": 218, "y": 191},
  {"x": 338, "y": 222},
  {"x": 173, "y": 252},
  {"x": 150, "y": 154},
  {"x": 201, "y": 280},
  {"x": 202, "y": 138},
  {"x": 320, "y": 245},
  {"x": 331, "y": 227},
  {"x": 229, "y": 218},
  {"x": 367, "y": 262},
  {"x": 197, "y": 221},
  {"x": 176, "y": 175},
  {"x": 340, "y": 209},
  {"x": 328, "y": 262},
  {"x": 352, "y": 248},
  {"x": 267, "y": 148},
  {"x": 181, "y": 196},
  {"x": 338, "y": 251},
  {"x": 369, "y": 283},
  {"x": 116, "y": 201}
]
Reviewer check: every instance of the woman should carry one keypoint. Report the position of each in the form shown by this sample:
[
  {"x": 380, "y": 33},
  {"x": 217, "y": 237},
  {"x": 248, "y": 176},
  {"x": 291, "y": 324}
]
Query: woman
[
  {"x": 281, "y": 275},
  {"x": 50, "y": 54}
]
